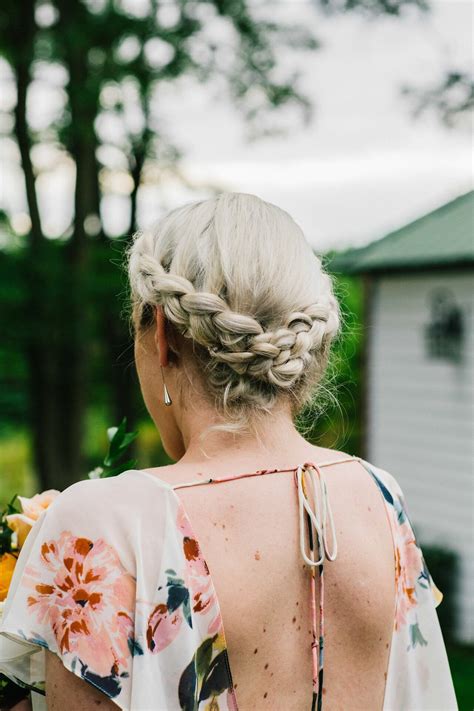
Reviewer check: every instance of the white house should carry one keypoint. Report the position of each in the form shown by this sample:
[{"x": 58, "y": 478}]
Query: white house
[{"x": 419, "y": 376}]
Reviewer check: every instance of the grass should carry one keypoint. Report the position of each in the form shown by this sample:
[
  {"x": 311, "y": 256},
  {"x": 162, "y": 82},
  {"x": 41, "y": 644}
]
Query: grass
[{"x": 16, "y": 470}]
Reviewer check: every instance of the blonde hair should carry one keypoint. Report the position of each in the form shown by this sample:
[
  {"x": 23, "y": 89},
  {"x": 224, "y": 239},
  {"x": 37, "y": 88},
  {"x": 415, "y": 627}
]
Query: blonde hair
[{"x": 236, "y": 275}]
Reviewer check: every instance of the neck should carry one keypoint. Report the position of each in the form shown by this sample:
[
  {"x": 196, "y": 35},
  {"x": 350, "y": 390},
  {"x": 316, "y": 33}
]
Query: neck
[{"x": 275, "y": 443}]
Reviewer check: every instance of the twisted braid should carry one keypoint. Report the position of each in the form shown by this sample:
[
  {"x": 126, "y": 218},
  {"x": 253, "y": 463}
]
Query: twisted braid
[{"x": 278, "y": 357}]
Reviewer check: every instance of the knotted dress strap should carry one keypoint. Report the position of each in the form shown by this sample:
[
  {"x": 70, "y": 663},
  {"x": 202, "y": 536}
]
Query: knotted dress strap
[{"x": 310, "y": 477}]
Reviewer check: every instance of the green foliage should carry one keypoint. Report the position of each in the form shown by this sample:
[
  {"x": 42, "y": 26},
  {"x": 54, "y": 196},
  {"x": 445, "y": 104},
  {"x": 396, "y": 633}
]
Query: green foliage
[
  {"x": 452, "y": 98},
  {"x": 16, "y": 474},
  {"x": 5, "y": 531},
  {"x": 114, "y": 464},
  {"x": 333, "y": 419},
  {"x": 373, "y": 7},
  {"x": 461, "y": 662}
]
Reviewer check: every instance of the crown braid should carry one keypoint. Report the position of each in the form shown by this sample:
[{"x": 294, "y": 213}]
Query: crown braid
[
  {"x": 235, "y": 275},
  {"x": 278, "y": 357}
]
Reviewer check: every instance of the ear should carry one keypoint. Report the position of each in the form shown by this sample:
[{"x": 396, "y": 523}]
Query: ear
[{"x": 160, "y": 336}]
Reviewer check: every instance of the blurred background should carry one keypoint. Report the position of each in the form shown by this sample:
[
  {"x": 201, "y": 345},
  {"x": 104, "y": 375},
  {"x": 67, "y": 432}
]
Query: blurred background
[{"x": 353, "y": 115}]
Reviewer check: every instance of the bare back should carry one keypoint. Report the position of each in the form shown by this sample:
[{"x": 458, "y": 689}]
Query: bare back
[{"x": 248, "y": 532}]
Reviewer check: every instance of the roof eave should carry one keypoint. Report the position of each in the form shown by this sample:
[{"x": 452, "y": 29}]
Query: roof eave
[{"x": 413, "y": 266}]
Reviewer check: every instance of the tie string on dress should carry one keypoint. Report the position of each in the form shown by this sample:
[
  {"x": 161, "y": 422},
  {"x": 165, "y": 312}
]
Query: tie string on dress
[{"x": 317, "y": 528}]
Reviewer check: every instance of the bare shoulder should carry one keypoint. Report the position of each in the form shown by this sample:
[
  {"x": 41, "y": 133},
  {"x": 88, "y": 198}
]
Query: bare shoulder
[{"x": 321, "y": 455}]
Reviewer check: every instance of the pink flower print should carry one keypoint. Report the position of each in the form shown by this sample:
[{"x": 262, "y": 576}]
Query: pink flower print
[
  {"x": 408, "y": 564},
  {"x": 183, "y": 523},
  {"x": 163, "y": 626},
  {"x": 87, "y": 597},
  {"x": 196, "y": 574}
]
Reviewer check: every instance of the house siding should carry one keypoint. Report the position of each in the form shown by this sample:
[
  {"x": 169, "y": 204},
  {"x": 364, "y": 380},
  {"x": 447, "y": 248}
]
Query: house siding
[{"x": 420, "y": 416}]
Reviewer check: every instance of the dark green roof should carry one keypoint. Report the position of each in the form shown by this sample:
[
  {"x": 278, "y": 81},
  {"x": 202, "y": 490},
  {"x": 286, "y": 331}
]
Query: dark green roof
[{"x": 442, "y": 237}]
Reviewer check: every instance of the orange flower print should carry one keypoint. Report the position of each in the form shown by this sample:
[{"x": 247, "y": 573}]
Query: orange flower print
[
  {"x": 84, "y": 594},
  {"x": 408, "y": 560}
]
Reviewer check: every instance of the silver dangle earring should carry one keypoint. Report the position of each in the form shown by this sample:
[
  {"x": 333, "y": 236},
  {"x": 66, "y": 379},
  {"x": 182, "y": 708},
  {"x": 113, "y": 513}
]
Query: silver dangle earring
[{"x": 166, "y": 396}]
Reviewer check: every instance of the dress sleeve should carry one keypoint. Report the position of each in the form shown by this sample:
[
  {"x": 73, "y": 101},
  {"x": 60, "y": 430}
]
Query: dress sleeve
[
  {"x": 112, "y": 580},
  {"x": 71, "y": 594},
  {"x": 419, "y": 675},
  {"x": 409, "y": 549}
]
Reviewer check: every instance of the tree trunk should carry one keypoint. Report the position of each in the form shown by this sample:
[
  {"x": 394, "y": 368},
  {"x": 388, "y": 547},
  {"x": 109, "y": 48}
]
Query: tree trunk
[
  {"x": 38, "y": 346},
  {"x": 120, "y": 347}
]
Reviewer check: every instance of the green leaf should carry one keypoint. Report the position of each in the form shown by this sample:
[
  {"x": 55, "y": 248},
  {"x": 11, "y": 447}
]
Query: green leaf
[
  {"x": 12, "y": 508},
  {"x": 416, "y": 636},
  {"x": 217, "y": 678},
  {"x": 187, "y": 612},
  {"x": 187, "y": 688},
  {"x": 128, "y": 439},
  {"x": 119, "y": 469},
  {"x": 120, "y": 440},
  {"x": 117, "y": 439},
  {"x": 203, "y": 657}
]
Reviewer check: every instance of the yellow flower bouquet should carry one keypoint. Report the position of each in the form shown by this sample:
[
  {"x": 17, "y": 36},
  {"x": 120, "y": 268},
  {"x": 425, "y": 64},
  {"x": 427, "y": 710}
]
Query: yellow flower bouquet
[{"x": 19, "y": 524}]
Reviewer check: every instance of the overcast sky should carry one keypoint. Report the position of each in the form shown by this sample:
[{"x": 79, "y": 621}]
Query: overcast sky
[{"x": 362, "y": 167}]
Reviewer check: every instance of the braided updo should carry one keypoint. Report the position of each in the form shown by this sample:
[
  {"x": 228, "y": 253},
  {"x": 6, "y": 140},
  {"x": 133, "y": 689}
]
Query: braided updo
[{"x": 236, "y": 275}]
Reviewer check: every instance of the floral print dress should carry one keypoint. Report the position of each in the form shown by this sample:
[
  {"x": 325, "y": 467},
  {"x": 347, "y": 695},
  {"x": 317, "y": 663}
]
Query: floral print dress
[{"x": 127, "y": 602}]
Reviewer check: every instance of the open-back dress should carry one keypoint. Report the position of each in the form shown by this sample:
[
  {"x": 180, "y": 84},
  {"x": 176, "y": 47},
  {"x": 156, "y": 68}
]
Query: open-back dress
[{"x": 129, "y": 605}]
